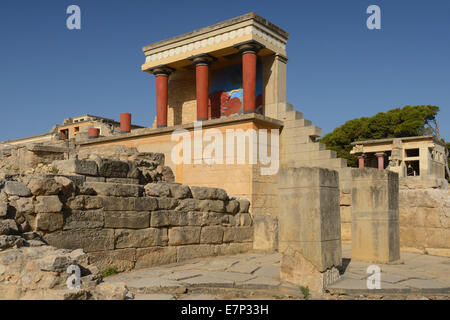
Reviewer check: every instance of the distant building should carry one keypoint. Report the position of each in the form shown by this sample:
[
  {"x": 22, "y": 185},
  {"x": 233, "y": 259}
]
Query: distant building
[{"x": 409, "y": 157}]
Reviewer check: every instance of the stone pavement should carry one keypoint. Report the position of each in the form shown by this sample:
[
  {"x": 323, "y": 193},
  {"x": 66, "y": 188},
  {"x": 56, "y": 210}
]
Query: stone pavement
[{"x": 257, "y": 276}]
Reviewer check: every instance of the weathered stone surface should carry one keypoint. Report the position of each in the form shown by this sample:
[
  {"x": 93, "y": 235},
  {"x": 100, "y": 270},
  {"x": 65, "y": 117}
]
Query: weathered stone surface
[
  {"x": 167, "y": 174},
  {"x": 211, "y": 205},
  {"x": 8, "y": 227},
  {"x": 10, "y": 241},
  {"x": 112, "y": 168},
  {"x": 205, "y": 193},
  {"x": 265, "y": 230},
  {"x": 192, "y": 252},
  {"x": 149, "y": 257},
  {"x": 244, "y": 205},
  {"x": 179, "y": 191},
  {"x": 44, "y": 187},
  {"x": 47, "y": 221},
  {"x": 68, "y": 185},
  {"x": 89, "y": 240},
  {"x": 75, "y": 166},
  {"x": 146, "y": 204},
  {"x": 48, "y": 204},
  {"x": 25, "y": 205},
  {"x": 123, "y": 180},
  {"x": 121, "y": 259},
  {"x": 238, "y": 234},
  {"x": 150, "y": 237},
  {"x": 84, "y": 219},
  {"x": 76, "y": 203},
  {"x": 118, "y": 203},
  {"x": 232, "y": 206},
  {"x": 211, "y": 235},
  {"x": 188, "y": 205},
  {"x": 157, "y": 190},
  {"x": 4, "y": 207},
  {"x": 116, "y": 189},
  {"x": 345, "y": 199},
  {"x": 14, "y": 188},
  {"x": 127, "y": 219},
  {"x": 167, "y": 203},
  {"x": 184, "y": 235}
]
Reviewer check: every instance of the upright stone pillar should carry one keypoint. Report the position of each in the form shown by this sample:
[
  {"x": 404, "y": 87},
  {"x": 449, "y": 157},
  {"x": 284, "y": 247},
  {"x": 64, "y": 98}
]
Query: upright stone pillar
[
  {"x": 249, "y": 51},
  {"x": 309, "y": 226},
  {"x": 162, "y": 84},
  {"x": 361, "y": 161},
  {"x": 202, "y": 63},
  {"x": 375, "y": 224}
]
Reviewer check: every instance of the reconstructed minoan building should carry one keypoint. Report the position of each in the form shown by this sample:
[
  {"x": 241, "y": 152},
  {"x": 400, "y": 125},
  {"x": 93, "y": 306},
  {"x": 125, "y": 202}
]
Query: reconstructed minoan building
[
  {"x": 230, "y": 79},
  {"x": 410, "y": 157}
]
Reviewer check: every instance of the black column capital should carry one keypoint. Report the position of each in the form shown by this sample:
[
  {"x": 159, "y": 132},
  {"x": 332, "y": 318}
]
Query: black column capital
[{"x": 251, "y": 46}]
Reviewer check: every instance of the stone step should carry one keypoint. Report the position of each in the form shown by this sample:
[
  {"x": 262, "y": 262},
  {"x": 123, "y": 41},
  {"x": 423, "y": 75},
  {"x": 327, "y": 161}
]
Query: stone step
[
  {"x": 297, "y": 123},
  {"x": 324, "y": 163},
  {"x": 311, "y": 132},
  {"x": 304, "y": 147},
  {"x": 291, "y": 115},
  {"x": 314, "y": 155}
]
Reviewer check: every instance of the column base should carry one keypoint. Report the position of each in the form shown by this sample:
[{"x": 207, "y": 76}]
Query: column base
[
  {"x": 161, "y": 126},
  {"x": 249, "y": 111},
  {"x": 202, "y": 119},
  {"x": 125, "y": 131}
]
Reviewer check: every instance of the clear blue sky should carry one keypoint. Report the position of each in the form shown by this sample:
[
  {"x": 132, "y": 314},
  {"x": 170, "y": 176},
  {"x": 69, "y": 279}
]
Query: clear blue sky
[{"x": 338, "y": 69}]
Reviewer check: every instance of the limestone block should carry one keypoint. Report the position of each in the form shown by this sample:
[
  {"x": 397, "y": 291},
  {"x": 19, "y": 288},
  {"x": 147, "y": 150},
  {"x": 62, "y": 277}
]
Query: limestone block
[
  {"x": 75, "y": 166},
  {"x": 157, "y": 190},
  {"x": 211, "y": 205},
  {"x": 265, "y": 231},
  {"x": 179, "y": 191},
  {"x": 47, "y": 221},
  {"x": 298, "y": 270},
  {"x": 163, "y": 218},
  {"x": 4, "y": 208},
  {"x": 89, "y": 240},
  {"x": 204, "y": 193},
  {"x": 127, "y": 219},
  {"x": 75, "y": 203},
  {"x": 192, "y": 252},
  {"x": 112, "y": 168},
  {"x": 48, "y": 204},
  {"x": 232, "y": 206},
  {"x": 146, "y": 204},
  {"x": 211, "y": 235},
  {"x": 14, "y": 188},
  {"x": 118, "y": 203},
  {"x": 346, "y": 199},
  {"x": 234, "y": 248},
  {"x": 8, "y": 227},
  {"x": 83, "y": 219},
  {"x": 309, "y": 215},
  {"x": 155, "y": 256},
  {"x": 238, "y": 234},
  {"x": 123, "y": 180},
  {"x": 92, "y": 202},
  {"x": 346, "y": 214},
  {"x": 44, "y": 187},
  {"x": 121, "y": 260},
  {"x": 188, "y": 205},
  {"x": 184, "y": 235},
  {"x": 116, "y": 189},
  {"x": 150, "y": 237},
  {"x": 375, "y": 216},
  {"x": 167, "y": 203}
]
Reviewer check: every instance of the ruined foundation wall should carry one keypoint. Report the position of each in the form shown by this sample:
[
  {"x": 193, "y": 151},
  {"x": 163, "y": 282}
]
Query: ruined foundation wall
[{"x": 103, "y": 207}]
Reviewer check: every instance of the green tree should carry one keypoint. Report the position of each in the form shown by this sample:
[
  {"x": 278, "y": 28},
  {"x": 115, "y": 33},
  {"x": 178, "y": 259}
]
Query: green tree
[{"x": 408, "y": 121}]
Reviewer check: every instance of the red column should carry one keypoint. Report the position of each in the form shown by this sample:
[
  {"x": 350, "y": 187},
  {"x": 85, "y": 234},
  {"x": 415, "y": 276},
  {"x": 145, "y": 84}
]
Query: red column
[
  {"x": 202, "y": 86},
  {"x": 125, "y": 122},
  {"x": 162, "y": 85},
  {"x": 249, "y": 81},
  {"x": 93, "y": 133},
  {"x": 249, "y": 51},
  {"x": 361, "y": 161},
  {"x": 380, "y": 156}
]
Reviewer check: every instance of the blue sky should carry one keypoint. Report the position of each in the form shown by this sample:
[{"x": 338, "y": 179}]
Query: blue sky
[{"x": 338, "y": 69}]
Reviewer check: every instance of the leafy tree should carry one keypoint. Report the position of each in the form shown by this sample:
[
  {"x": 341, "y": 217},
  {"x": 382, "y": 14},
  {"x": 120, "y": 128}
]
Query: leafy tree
[{"x": 408, "y": 121}]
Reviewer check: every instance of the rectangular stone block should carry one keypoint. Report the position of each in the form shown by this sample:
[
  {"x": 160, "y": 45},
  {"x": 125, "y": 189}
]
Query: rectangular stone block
[
  {"x": 309, "y": 219},
  {"x": 156, "y": 256},
  {"x": 238, "y": 234},
  {"x": 118, "y": 203},
  {"x": 211, "y": 234},
  {"x": 375, "y": 215},
  {"x": 47, "y": 221},
  {"x": 83, "y": 219},
  {"x": 265, "y": 232},
  {"x": 142, "y": 238},
  {"x": 146, "y": 204},
  {"x": 83, "y": 167},
  {"x": 197, "y": 251},
  {"x": 88, "y": 240},
  {"x": 167, "y": 203},
  {"x": 127, "y": 219},
  {"x": 48, "y": 204},
  {"x": 184, "y": 235},
  {"x": 116, "y": 189},
  {"x": 121, "y": 260}
]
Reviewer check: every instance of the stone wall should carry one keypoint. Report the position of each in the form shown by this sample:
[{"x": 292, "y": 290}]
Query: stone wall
[
  {"x": 124, "y": 214},
  {"x": 425, "y": 221}
]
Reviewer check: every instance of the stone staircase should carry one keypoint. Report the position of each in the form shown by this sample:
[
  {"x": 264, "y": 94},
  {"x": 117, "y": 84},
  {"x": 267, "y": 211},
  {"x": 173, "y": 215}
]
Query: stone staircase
[{"x": 298, "y": 143}]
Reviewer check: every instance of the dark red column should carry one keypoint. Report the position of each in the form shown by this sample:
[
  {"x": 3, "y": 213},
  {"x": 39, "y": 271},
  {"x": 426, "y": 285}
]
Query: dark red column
[
  {"x": 93, "y": 133},
  {"x": 361, "y": 161},
  {"x": 380, "y": 156},
  {"x": 202, "y": 62},
  {"x": 125, "y": 122},
  {"x": 161, "y": 73},
  {"x": 162, "y": 85},
  {"x": 249, "y": 51}
]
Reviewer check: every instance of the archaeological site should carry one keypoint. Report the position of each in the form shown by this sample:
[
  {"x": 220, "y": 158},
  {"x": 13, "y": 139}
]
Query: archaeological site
[{"x": 227, "y": 194}]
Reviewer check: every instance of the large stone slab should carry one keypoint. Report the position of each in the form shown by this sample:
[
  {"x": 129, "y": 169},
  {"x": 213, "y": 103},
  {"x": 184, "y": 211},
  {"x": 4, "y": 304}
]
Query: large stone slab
[
  {"x": 48, "y": 204},
  {"x": 84, "y": 219},
  {"x": 14, "y": 188},
  {"x": 116, "y": 189},
  {"x": 88, "y": 240},
  {"x": 127, "y": 219},
  {"x": 142, "y": 238},
  {"x": 75, "y": 166}
]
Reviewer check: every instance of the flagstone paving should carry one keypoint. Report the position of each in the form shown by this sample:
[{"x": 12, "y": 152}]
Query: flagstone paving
[{"x": 257, "y": 276}]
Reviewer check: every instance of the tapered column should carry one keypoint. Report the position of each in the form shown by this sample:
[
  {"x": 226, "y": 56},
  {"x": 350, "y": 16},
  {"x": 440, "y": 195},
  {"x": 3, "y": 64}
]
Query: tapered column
[
  {"x": 162, "y": 84},
  {"x": 380, "y": 156},
  {"x": 202, "y": 63},
  {"x": 361, "y": 161},
  {"x": 249, "y": 51}
]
